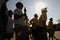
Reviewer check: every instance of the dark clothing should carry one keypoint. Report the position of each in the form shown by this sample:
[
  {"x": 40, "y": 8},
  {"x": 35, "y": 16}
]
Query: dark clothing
[
  {"x": 34, "y": 33},
  {"x": 9, "y": 36},
  {"x": 3, "y": 19},
  {"x": 2, "y": 36},
  {"x": 41, "y": 33},
  {"x": 26, "y": 33},
  {"x": 3, "y": 23},
  {"x": 21, "y": 32},
  {"x": 51, "y": 32}
]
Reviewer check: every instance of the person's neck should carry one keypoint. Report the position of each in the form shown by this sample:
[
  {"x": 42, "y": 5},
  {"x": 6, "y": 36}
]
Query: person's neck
[
  {"x": 35, "y": 18},
  {"x": 19, "y": 8}
]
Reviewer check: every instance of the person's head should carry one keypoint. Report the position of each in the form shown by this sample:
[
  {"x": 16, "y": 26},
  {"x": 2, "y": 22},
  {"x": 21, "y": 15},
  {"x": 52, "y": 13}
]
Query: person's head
[
  {"x": 51, "y": 19},
  {"x": 10, "y": 13},
  {"x": 35, "y": 15},
  {"x": 3, "y": 8},
  {"x": 3, "y": 2},
  {"x": 44, "y": 10},
  {"x": 19, "y": 5}
]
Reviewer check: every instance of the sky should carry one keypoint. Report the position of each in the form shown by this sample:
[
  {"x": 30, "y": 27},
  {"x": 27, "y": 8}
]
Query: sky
[{"x": 34, "y": 6}]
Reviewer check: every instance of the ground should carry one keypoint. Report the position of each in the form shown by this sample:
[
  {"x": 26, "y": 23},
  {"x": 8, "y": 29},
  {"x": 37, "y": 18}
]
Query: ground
[{"x": 57, "y": 35}]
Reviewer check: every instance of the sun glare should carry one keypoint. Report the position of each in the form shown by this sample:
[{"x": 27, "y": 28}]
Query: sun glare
[{"x": 39, "y": 6}]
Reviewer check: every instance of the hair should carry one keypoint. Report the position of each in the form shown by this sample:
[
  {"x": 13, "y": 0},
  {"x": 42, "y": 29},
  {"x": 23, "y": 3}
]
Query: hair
[
  {"x": 10, "y": 13},
  {"x": 19, "y": 5},
  {"x": 35, "y": 15},
  {"x": 51, "y": 19}
]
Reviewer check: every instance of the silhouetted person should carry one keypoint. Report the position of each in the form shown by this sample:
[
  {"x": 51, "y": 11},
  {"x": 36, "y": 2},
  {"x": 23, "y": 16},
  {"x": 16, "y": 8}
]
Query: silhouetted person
[
  {"x": 51, "y": 29},
  {"x": 9, "y": 28},
  {"x": 26, "y": 37},
  {"x": 50, "y": 25},
  {"x": 34, "y": 22},
  {"x": 19, "y": 21},
  {"x": 3, "y": 20},
  {"x": 28, "y": 25},
  {"x": 42, "y": 35}
]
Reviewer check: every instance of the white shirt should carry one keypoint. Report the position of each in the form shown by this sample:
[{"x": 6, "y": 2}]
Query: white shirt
[{"x": 21, "y": 20}]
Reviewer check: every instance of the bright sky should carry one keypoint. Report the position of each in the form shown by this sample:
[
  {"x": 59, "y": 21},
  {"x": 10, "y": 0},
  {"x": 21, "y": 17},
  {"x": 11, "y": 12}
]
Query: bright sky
[{"x": 34, "y": 6}]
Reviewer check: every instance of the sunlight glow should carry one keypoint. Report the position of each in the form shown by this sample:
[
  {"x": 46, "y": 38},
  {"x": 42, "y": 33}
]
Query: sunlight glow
[{"x": 39, "y": 6}]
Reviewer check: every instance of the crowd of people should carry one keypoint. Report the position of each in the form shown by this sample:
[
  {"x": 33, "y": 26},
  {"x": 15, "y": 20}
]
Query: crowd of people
[{"x": 22, "y": 26}]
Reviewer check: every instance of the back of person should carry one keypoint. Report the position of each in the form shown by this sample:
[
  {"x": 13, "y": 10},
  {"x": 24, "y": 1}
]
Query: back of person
[
  {"x": 3, "y": 19},
  {"x": 34, "y": 20}
]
